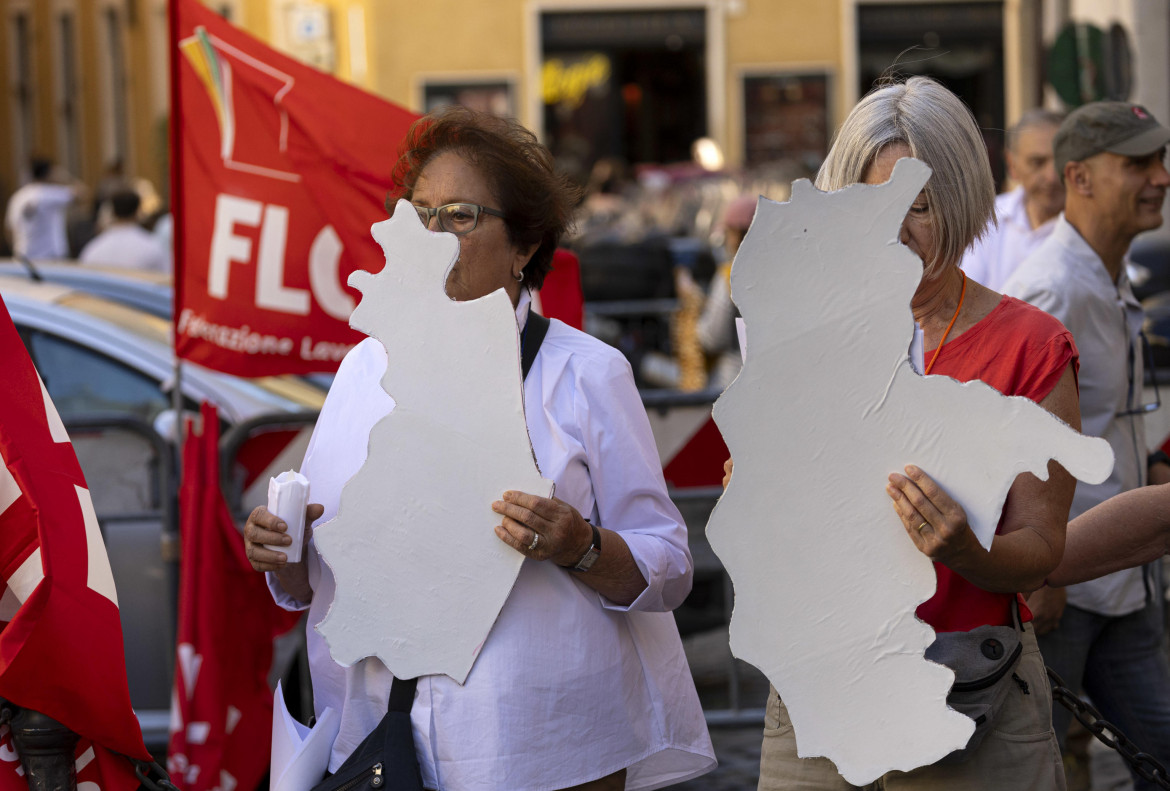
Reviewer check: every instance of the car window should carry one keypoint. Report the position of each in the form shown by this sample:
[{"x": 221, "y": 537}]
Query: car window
[{"x": 82, "y": 382}]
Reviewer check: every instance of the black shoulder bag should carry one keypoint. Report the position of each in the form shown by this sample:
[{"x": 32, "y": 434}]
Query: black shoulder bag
[{"x": 386, "y": 759}]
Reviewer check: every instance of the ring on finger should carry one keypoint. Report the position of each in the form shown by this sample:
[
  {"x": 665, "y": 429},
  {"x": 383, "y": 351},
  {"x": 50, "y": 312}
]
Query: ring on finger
[
  {"x": 535, "y": 541},
  {"x": 923, "y": 526}
]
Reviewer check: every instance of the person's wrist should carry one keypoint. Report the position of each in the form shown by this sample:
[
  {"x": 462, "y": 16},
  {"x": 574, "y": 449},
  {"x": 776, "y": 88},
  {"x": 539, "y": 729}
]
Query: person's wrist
[{"x": 581, "y": 547}]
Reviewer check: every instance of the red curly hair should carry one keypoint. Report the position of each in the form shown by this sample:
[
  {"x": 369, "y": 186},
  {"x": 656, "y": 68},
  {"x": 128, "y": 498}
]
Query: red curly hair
[{"x": 537, "y": 202}]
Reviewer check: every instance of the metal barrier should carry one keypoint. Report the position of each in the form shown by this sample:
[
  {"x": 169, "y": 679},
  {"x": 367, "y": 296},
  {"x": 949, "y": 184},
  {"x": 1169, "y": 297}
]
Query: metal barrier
[
  {"x": 692, "y": 454},
  {"x": 250, "y": 453},
  {"x": 130, "y": 471}
]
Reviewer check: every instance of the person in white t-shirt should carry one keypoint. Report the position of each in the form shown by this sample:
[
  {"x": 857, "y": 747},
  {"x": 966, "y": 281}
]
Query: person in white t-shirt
[
  {"x": 36, "y": 215},
  {"x": 126, "y": 243},
  {"x": 1027, "y": 214}
]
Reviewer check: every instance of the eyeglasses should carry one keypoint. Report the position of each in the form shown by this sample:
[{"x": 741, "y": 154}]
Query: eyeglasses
[
  {"x": 1148, "y": 355},
  {"x": 456, "y": 218}
]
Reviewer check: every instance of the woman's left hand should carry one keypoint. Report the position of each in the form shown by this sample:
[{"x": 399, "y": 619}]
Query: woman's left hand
[
  {"x": 543, "y": 528},
  {"x": 935, "y": 523}
]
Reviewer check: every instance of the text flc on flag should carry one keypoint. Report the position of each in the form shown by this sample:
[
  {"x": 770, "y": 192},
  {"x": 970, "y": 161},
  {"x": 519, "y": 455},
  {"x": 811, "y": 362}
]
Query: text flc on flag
[{"x": 279, "y": 172}]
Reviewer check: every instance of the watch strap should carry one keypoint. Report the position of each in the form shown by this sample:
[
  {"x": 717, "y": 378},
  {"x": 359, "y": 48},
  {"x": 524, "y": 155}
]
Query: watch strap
[{"x": 590, "y": 557}]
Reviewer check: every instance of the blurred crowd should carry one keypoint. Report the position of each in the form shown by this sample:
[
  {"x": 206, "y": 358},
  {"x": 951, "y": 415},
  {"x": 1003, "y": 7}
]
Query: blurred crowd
[
  {"x": 122, "y": 222},
  {"x": 656, "y": 245}
]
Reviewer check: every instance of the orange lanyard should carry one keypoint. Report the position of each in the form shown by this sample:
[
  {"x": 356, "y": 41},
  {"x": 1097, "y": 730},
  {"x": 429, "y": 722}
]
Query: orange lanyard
[{"x": 947, "y": 332}]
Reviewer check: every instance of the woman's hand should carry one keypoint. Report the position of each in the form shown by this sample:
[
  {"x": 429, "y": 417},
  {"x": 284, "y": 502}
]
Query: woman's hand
[
  {"x": 1047, "y": 605},
  {"x": 264, "y": 527},
  {"x": 935, "y": 523},
  {"x": 543, "y": 528},
  {"x": 727, "y": 467}
]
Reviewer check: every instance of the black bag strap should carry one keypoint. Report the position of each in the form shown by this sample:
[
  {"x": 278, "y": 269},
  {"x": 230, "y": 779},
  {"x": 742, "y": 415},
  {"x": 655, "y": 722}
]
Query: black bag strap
[
  {"x": 402, "y": 695},
  {"x": 534, "y": 331}
]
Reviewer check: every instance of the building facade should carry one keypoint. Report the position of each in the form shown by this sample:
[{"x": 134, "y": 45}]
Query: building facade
[{"x": 635, "y": 80}]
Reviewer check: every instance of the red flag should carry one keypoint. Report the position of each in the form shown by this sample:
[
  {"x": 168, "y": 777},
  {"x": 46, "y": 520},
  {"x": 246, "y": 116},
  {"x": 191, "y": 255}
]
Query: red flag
[
  {"x": 279, "y": 171},
  {"x": 222, "y": 708},
  {"x": 60, "y": 634},
  {"x": 561, "y": 296}
]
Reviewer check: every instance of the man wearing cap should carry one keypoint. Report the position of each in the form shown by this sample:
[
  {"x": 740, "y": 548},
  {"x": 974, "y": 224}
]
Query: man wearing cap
[
  {"x": 1027, "y": 214},
  {"x": 1110, "y": 156}
]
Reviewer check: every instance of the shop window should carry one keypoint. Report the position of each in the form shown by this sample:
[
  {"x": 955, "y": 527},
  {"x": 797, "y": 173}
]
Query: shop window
[
  {"x": 786, "y": 118},
  {"x": 67, "y": 94},
  {"x": 495, "y": 97},
  {"x": 22, "y": 94},
  {"x": 958, "y": 44},
  {"x": 624, "y": 85},
  {"x": 118, "y": 108}
]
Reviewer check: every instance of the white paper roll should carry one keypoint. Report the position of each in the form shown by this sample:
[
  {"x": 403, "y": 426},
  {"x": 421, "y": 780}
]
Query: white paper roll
[{"x": 288, "y": 495}]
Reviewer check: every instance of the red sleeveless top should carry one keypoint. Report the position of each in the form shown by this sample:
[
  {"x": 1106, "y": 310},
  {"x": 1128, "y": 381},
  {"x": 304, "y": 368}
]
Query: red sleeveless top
[{"x": 1019, "y": 350}]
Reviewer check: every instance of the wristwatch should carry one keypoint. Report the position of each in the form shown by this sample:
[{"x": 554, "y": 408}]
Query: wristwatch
[{"x": 592, "y": 554}]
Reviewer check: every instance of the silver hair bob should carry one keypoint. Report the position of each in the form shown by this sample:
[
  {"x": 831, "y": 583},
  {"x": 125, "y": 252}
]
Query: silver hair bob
[{"x": 940, "y": 131}]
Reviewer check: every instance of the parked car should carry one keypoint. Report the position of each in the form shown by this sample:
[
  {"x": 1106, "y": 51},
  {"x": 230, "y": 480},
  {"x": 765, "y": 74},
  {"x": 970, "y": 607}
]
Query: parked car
[
  {"x": 110, "y": 370},
  {"x": 148, "y": 291}
]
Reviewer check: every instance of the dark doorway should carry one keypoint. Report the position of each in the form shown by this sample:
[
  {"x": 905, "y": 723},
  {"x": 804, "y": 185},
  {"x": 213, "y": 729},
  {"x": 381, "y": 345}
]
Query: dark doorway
[
  {"x": 626, "y": 85},
  {"x": 958, "y": 44}
]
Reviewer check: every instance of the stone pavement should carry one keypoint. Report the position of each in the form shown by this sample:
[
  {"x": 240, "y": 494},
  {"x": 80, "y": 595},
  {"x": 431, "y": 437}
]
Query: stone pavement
[{"x": 738, "y": 751}]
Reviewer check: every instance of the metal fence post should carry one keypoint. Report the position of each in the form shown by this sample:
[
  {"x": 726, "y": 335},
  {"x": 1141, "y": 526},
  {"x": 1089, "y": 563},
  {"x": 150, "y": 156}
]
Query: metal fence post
[{"x": 46, "y": 750}]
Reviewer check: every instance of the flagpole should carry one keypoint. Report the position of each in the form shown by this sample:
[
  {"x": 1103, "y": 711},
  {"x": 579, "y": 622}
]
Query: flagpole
[
  {"x": 178, "y": 225},
  {"x": 178, "y": 267}
]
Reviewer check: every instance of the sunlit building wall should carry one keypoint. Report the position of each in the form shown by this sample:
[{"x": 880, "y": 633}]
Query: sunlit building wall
[{"x": 640, "y": 80}]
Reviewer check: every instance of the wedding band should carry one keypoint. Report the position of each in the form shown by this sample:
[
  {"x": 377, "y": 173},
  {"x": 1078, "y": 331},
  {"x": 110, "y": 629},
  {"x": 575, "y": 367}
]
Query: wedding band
[
  {"x": 923, "y": 526},
  {"x": 535, "y": 541}
]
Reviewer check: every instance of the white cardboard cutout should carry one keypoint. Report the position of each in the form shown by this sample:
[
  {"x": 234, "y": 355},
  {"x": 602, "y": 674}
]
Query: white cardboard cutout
[
  {"x": 826, "y": 406},
  {"x": 421, "y": 576}
]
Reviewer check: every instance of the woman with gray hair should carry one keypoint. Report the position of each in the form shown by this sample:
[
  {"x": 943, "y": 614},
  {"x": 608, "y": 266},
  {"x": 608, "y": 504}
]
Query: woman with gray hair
[{"x": 968, "y": 332}]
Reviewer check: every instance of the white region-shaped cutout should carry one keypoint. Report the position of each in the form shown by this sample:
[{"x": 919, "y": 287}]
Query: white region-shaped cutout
[
  {"x": 825, "y": 407},
  {"x": 421, "y": 575}
]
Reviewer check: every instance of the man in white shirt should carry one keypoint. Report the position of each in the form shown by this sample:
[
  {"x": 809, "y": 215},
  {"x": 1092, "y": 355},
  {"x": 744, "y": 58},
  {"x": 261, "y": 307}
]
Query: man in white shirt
[
  {"x": 36, "y": 215},
  {"x": 1109, "y": 636},
  {"x": 126, "y": 243},
  {"x": 1027, "y": 214}
]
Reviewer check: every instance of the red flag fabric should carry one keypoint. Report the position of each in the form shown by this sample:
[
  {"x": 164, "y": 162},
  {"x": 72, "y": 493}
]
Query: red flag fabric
[
  {"x": 279, "y": 170},
  {"x": 222, "y": 708},
  {"x": 60, "y": 634},
  {"x": 561, "y": 296}
]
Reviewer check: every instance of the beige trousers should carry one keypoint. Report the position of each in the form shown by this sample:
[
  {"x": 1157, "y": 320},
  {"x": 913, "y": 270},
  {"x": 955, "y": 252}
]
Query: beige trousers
[{"x": 1020, "y": 753}]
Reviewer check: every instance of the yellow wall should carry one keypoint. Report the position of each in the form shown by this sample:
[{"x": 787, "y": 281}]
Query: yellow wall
[
  {"x": 414, "y": 38},
  {"x": 408, "y": 42},
  {"x": 779, "y": 36},
  {"x": 143, "y": 159}
]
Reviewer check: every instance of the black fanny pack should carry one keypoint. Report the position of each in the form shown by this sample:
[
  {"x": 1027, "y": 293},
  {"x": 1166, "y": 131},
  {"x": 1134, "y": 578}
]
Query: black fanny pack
[
  {"x": 385, "y": 760},
  {"x": 984, "y": 661}
]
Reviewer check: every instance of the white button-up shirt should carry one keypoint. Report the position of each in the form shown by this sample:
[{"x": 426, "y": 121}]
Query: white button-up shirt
[
  {"x": 1067, "y": 278},
  {"x": 36, "y": 215},
  {"x": 992, "y": 259},
  {"x": 569, "y": 687},
  {"x": 128, "y": 245}
]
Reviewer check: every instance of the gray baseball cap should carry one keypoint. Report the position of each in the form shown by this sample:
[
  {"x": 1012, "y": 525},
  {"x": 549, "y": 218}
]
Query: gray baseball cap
[{"x": 1116, "y": 127}]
